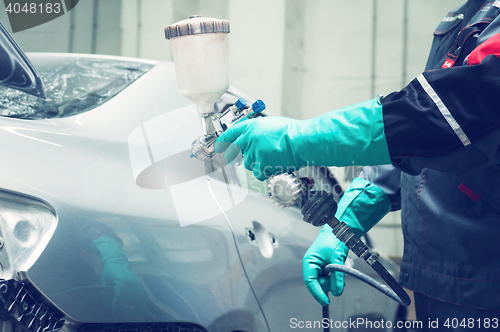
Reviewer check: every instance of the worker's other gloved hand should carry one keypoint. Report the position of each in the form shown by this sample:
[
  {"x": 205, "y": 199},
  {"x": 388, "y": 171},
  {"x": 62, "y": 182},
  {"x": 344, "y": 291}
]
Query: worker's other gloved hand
[
  {"x": 352, "y": 135},
  {"x": 326, "y": 249},
  {"x": 130, "y": 297},
  {"x": 361, "y": 207}
]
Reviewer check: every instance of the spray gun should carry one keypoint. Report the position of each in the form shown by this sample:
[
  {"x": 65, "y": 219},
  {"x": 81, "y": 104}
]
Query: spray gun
[{"x": 199, "y": 50}]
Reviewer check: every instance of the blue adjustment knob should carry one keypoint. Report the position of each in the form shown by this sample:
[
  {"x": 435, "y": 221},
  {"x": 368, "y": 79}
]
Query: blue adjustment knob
[
  {"x": 258, "y": 106},
  {"x": 240, "y": 103}
]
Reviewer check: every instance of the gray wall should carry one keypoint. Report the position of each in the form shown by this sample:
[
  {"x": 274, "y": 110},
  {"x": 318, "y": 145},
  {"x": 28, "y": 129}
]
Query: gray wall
[{"x": 303, "y": 58}]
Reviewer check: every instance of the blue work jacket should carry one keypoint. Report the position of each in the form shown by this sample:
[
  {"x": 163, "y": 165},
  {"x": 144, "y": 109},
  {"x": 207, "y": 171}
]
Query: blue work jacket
[{"x": 443, "y": 133}]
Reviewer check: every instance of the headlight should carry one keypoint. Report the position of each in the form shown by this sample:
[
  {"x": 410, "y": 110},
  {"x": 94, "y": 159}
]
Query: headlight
[{"x": 26, "y": 226}]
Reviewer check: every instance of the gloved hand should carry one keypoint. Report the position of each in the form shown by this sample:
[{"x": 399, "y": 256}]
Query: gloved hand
[
  {"x": 326, "y": 249},
  {"x": 361, "y": 207},
  {"x": 352, "y": 135},
  {"x": 130, "y": 297}
]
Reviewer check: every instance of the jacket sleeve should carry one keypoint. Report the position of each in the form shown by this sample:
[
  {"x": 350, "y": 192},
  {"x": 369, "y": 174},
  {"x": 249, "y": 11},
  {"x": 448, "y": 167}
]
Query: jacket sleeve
[
  {"x": 388, "y": 179},
  {"x": 446, "y": 119}
]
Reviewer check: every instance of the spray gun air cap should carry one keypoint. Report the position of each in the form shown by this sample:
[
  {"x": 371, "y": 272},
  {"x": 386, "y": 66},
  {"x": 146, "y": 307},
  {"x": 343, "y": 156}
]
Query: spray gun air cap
[{"x": 258, "y": 106}]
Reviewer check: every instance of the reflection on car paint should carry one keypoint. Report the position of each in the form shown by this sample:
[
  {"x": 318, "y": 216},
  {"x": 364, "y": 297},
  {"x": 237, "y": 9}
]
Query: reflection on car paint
[{"x": 159, "y": 155}]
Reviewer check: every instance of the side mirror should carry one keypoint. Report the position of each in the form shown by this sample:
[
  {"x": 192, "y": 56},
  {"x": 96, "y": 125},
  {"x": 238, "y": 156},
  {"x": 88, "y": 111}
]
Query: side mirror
[{"x": 16, "y": 71}]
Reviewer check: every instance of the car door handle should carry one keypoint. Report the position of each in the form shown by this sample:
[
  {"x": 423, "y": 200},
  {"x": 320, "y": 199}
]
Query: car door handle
[{"x": 260, "y": 237}]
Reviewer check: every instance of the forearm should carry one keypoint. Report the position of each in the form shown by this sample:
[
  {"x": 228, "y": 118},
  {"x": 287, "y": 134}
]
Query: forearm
[{"x": 362, "y": 206}]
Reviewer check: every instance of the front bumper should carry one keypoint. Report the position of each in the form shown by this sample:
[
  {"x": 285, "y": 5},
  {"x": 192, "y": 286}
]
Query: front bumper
[{"x": 28, "y": 309}]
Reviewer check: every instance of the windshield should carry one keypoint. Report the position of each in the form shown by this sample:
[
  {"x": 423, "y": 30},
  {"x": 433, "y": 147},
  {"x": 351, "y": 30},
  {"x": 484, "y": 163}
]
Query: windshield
[{"x": 73, "y": 86}]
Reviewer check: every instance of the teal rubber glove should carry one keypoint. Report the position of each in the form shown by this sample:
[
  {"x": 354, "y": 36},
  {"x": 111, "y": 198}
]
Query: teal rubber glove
[
  {"x": 326, "y": 249},
  {"x": 130, "y": 297},
  {"x": 352, "y": 135},
  {"x": 361, "y": 207}
]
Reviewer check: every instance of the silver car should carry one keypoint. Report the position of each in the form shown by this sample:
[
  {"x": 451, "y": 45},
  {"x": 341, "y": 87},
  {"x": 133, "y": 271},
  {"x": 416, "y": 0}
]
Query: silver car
[{"x": 107, "y": 224}]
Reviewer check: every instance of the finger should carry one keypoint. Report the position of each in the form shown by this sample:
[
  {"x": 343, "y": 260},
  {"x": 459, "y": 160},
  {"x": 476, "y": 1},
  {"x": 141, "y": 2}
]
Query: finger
[
  {"x": 324, "y": 282},
  {"x": 259, "y": 173},
  {"x": 314, "y": 287},
  {"x": 229, "y": 136},
  {"x": 247, "y": 162},
  {"x": 337, "y": 283},
  {"x": 232, "y": 153},
  {"x": 267, "y": 173},
  {"x": 244, "y": 119},
  {"x": 220, "y": 147}
]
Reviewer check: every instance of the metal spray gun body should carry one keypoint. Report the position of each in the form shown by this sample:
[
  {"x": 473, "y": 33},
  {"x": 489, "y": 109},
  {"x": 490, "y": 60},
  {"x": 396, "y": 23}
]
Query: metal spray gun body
[{"x": 203, "y": 147}]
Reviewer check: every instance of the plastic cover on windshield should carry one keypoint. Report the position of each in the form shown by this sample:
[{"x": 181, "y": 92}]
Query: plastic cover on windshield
[{"x": 73, "y": 86}]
